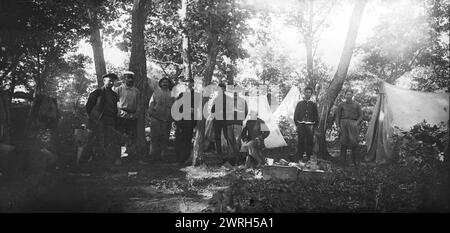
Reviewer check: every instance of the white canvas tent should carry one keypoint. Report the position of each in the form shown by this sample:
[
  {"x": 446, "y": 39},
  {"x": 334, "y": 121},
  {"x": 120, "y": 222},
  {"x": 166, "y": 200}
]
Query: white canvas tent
[
  {"x": 287, "y": 106},
  {"x": 259, "y": 104},
  {"x": 401, "y": 108}
]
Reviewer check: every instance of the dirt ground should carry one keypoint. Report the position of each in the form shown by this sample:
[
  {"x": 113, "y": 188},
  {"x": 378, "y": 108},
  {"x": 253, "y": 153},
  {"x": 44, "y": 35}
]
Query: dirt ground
[
  {"x": 132, "y": 187},
  {"x": 160, "y": 187},
  {"x": 102, "y": 187}
]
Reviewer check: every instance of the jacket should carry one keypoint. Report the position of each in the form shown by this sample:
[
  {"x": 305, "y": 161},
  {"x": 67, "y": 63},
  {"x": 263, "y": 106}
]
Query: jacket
[
  {"x": 161, "y": 104},
  {"x": 95, "y": 105},
  {"x": 254, "y": 129},
  {"x": 306, "y": 111}
]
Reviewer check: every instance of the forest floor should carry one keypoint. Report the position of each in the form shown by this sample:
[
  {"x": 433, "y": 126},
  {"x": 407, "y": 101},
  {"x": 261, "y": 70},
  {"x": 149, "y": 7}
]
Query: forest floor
[{"x": 132, "y": 187}]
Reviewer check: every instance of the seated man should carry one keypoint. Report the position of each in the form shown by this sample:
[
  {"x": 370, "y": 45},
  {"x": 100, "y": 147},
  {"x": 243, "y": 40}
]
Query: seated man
[{"x": 252, "y": 136}]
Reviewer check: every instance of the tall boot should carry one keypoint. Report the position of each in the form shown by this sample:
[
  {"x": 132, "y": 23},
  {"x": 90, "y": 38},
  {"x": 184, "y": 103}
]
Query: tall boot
[
  {"x": 343, "y": 156},
  {"x": 218, "y": 147},
  {"x": 355, "y": 157}
]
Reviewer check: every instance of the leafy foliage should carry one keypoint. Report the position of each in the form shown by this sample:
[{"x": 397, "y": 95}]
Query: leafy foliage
[
  {"x": 424, "y": 145},
  {"x": 418, "y": 45},
  {"x": 417, "y": 183}
]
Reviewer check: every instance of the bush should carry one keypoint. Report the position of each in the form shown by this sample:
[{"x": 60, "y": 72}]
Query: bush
[
  {"x": 419, "y": 182},
  {"x": 424, "y": 144},
  {"x": 64, "y": 141},
  {"x": 288, "y": 131}
]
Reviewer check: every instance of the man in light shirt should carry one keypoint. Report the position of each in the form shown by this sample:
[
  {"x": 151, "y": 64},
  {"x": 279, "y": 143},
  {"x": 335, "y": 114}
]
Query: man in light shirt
[
  {"x": 128, "y": 111},
  {"x": 348, "y": 119},
  {"x": 160, "y": 119}
]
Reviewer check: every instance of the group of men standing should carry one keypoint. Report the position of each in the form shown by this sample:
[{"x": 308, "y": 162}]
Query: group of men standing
[
  {"x": 348, "y": 119},
  {"x": 113, "y": 113}
]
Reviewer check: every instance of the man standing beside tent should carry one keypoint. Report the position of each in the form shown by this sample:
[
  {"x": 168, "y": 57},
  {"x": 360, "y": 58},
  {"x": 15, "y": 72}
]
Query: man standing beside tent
[
  {"x": 306, "y": 118},
  {"x": 348, "y": 118}
]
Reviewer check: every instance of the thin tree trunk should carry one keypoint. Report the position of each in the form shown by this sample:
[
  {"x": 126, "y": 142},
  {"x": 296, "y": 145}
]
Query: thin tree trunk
[
  {"x": 213, "y": 49},
  {"x": 4, "y": 117},
  {"x": 185, "y": 52},
  {"x": 138, "y": 66},
  {"x": 309, "y": 61},
  {"x": 335, "y": 87},
  {"x": 309, "y": 47},
  {"x": 96, "y": 43},
  {"x": 231, "y": 70}
]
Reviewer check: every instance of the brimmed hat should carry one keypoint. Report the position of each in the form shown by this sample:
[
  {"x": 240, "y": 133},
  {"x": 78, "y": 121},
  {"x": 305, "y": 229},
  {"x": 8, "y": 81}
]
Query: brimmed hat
[
  {"x": 128, "y": 74},
  {"x": 110, "y": 75},
  {"x": 170, "y": 82}
]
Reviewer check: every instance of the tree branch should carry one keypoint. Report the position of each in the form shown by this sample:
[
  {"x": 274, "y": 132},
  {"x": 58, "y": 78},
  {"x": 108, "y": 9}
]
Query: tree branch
[{"x": 165, "y": 62}]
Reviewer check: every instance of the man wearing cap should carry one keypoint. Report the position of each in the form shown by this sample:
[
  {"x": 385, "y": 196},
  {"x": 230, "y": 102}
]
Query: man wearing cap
[
  {"x": 306, "y": 118},
  {"x": 128, "y": 110},
  {"x": 160, "y": 118},
  {"x": 101, "y": 108}
]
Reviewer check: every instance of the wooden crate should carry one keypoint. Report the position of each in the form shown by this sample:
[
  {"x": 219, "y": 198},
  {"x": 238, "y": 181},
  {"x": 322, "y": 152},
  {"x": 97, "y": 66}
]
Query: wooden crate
[{"x": 280, "y": 172}]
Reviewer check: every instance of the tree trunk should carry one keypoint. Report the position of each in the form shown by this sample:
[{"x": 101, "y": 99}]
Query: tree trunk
[
  {"x": 4, "y": 117},
  {"x": 213, "y": 49},
  {"x": 96, "y": 43},
  {"x": 231, "y": 70},
  {"x": 335, "y": 87},
  {"x": 185, "y": 50},
  {"x": 309, "y": 61},
  {"x": 309, "y": 47},
  {"x": 138, "y": 66}
]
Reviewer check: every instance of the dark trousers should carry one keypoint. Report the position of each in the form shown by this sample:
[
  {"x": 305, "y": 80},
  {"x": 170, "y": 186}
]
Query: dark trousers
[
  {"x": 305, "y": 139},
  {"x": 160, "y": 133},
  {"x": 228, "y": 132},
  {"x": 103, "y": 139},
  {"x": 354, "y": 155},
  {"x": 128, "y": 128},
  {"x": 183, "y": 139}
]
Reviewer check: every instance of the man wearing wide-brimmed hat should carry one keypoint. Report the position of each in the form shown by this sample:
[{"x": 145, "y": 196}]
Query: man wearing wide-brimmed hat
[{"x": 160, "y": 118}]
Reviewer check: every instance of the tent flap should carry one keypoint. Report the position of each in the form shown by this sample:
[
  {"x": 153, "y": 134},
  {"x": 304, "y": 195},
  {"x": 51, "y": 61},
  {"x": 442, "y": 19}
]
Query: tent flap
[{"x": 401, "y": 108}]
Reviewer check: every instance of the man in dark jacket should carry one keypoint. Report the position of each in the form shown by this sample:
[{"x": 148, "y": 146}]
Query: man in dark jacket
[
  {"x": 252, "y": 136},
  {"x": 306, "y": 118},
  {"x": 101, "y": 108},
  {"x": 185, "y": 127},
  {"x": 225, "y": 124}
]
